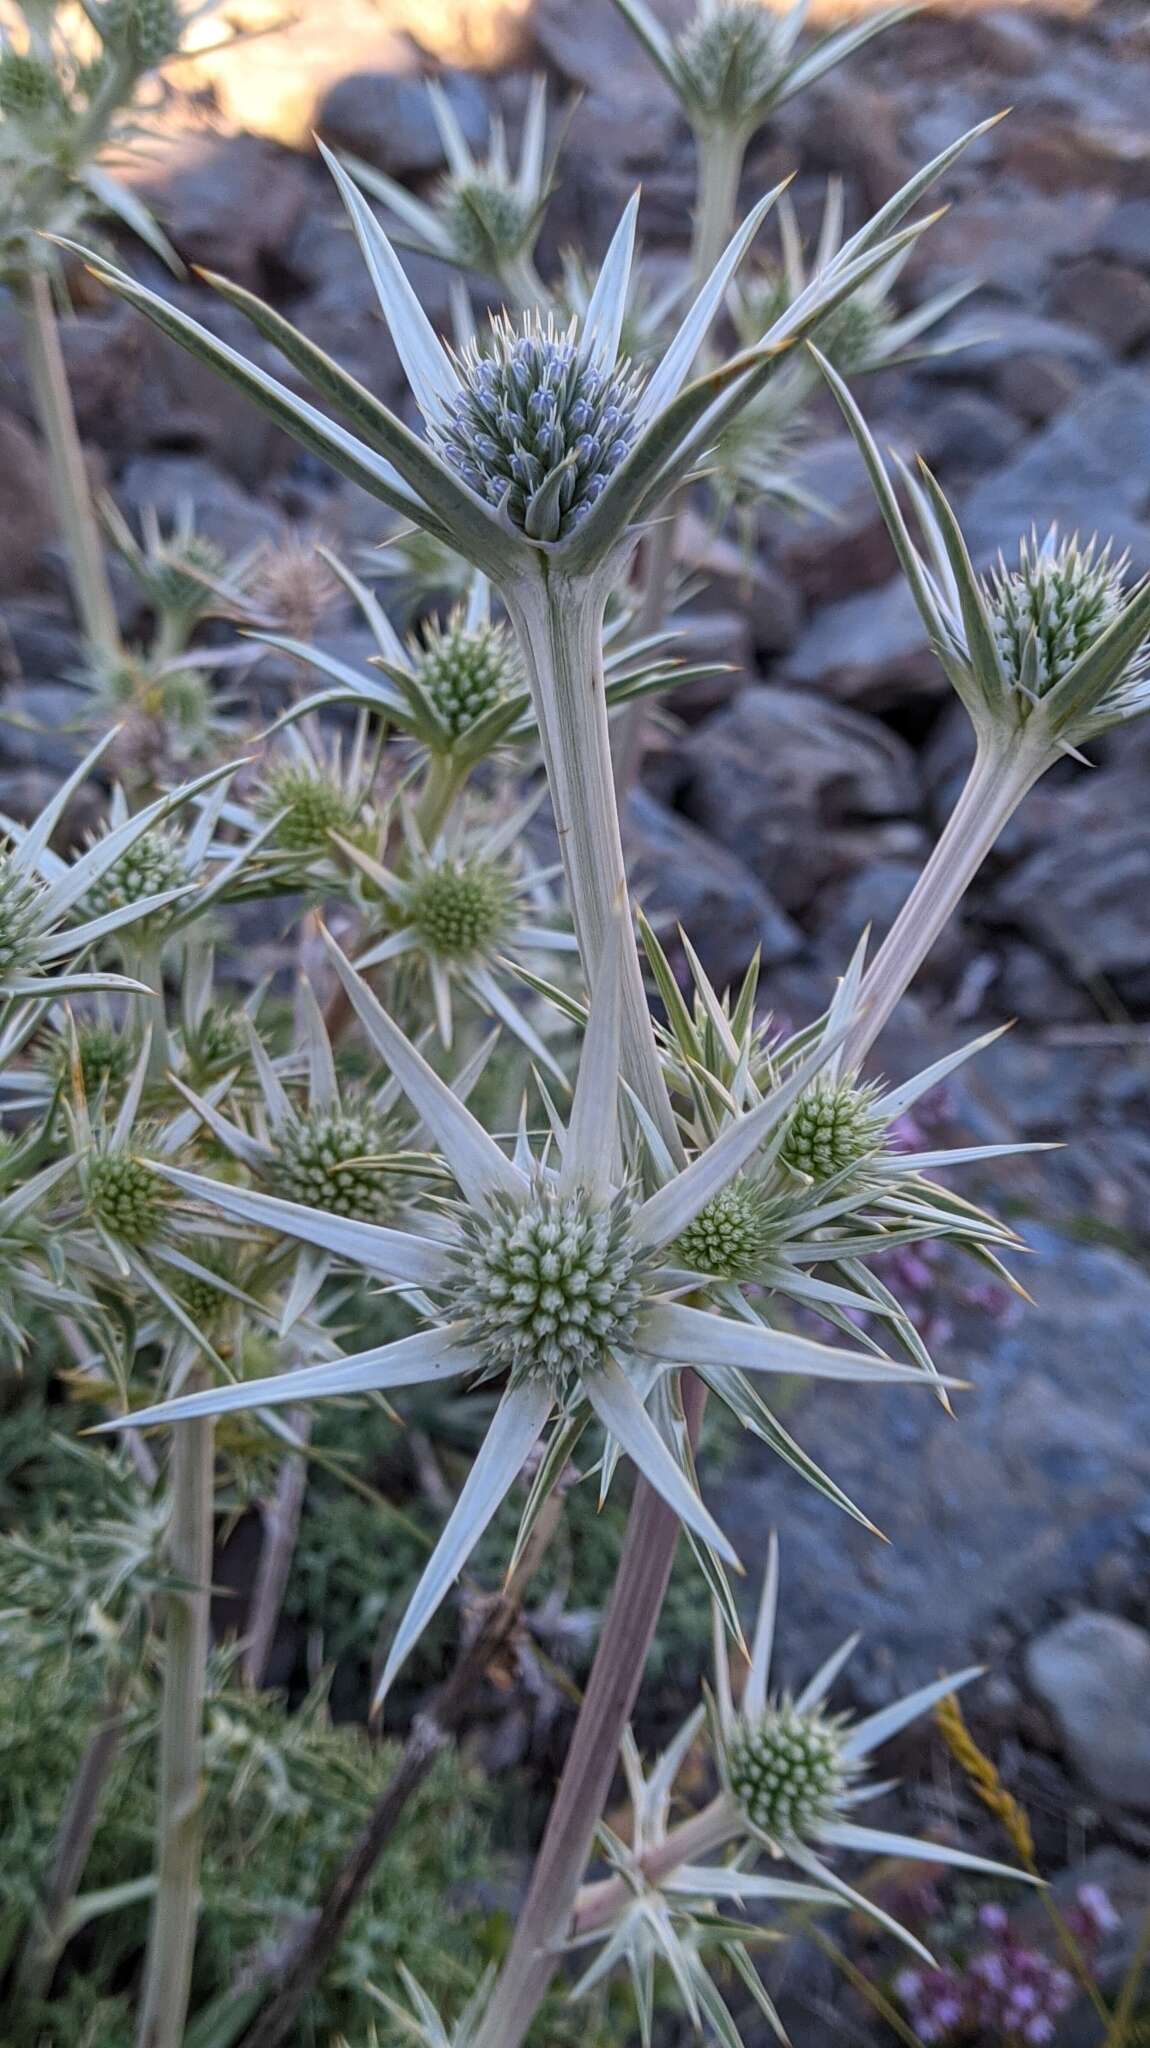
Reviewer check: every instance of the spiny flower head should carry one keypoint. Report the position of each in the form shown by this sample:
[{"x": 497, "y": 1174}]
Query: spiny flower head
[
  {"x": 464, "y": 671},
  {"x": 314, "y": 1155},
  {"x": 29, "y": 87},
  {"x": 548, "y": 1287},
  {"x": 731, "y": 58},
  {"x": 154, "y": 863},
  {"x": 313, "y": 805},
  {"x": 1053, "y": 606},
  {"x": 488, "y": 221},
  {"x": 21, "y": 895},
  {"x": 203, "y": 1301},
  {"x": 832, "y": 1128},
  {"x": 147, "y": 31},
  {"x": 179, "y": 580},
  {"x": 293, "y": 585},
  {"x": 218, "y": 1040},
  {"x": 103, "y": 1054},
  {"x": 730, "y": 1237},
  {"x": 786, "y": 1770},
  {"x": 126, "y": 1196},
  {"x": 538, "y": 428},
  {"x": 462, "y": 907}
]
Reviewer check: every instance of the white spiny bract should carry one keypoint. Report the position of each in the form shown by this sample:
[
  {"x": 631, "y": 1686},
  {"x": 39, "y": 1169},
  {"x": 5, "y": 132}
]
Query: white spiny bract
[
  {"x": 1044, "y": 656},
  {"x": 1051, "y": 608},
  {"x": 553, "y": 1273},
  {"x": 483, "y": 215},
  {"x": 458, "y": 910},
  {"x": 793, "y": 1774},
  {"x": 735, "y": 60},
  {"x": 538, "y": 428}
]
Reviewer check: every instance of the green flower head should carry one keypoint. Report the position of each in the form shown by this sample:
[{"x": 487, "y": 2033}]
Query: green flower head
[
  {"x": 786, "y": 1771},
  {"x": 833, "y": 1127},
  {"x": 316, "y": 1155},
  {"x": 461, "y": 908}
]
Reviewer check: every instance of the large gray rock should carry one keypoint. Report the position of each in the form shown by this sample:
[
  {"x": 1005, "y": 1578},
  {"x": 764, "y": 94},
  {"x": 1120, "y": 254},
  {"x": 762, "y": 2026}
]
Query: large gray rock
[
  {"x": 683, "y": 877},
  {"x": 234, "y": 205},
  {"x": 1082, "y": 893},
  {"x": 794, "y": 786},
  {"x": 871, "y": 650},
  {"x": 994, "y": 1513},
  {"x": 387, "y": 120},
  {"x": 1092, "y": 1671},
  {"x": 26, "y": 519},
  {"x": 1090, "y": 471}
]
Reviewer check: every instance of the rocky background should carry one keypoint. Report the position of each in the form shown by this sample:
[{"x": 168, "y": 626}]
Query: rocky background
[{"x": 795, "y": 797}]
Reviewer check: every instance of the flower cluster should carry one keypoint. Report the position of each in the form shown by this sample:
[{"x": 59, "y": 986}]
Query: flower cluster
[{"x": 1004, "y": 1989}]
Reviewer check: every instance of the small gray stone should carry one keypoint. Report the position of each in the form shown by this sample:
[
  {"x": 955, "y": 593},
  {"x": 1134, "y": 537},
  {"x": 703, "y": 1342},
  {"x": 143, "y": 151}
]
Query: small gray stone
[
  {"x": 25, "y": 504},
  {"x": 1088, "y": 471},
  {"x": 871, "y": 650},
  {"x": 1092, "y": 1671},
  {"x": 724, "y": 910},
  {"x": 1125, "y": 234},
  {"x": 387, "y": 120},
  {"x": 234, "y": 206},
  {"x": 1110, "y": 299}
]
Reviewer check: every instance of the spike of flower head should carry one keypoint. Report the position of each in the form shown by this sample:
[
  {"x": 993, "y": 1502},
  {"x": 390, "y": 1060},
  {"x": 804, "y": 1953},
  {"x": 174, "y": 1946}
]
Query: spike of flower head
[
  {"x": 462, "y": 907},
  {"x": 321, "y": 1159},
  {"x": 833, "y": 1128},
  {"x": 731, "y": 1236},
  {"x": 309, "y": 807},
  {"x": 465, "y": 670},
  {"x": 549, "y": 1289},
  {"x": 126, "y": 1196},
  {"x": 787, "y": 1770},
  {"x": 154, "y": 864},
  {"x": 29, "y": 87},
  {"x": 145, "y": 31},
  {"x": 731, "y": 59},
  {"x": 1049, "y": 610},
  {"x": 539, "y": 426}
]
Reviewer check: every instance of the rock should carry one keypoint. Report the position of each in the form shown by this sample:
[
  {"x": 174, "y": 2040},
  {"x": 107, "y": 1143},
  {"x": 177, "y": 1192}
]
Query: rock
[
  {"x": 40, "y": 642},
  {"x": 1060, "y": 155},
  {"x": 1012, "y": 242},
  {"x": 1110, "y": 299},
  {"x": 1082, "y": 896},
  {"x": 26, "y": 516},
  {"x": 709, "y": 636},
  {"x": 969, "y": 433},
  {"x": 873, "y": 897},
  {"x": 1124, "y": 235},
  {"x": 790, "y": 783},
  {"x": 1088, "y": 471},
  {"x": 683, "y": 876},
  {"x": 224, "y": 512},
  {"x": 233, "y": 206},
  {"x": 1014, "y": 45},
  {"x": 387, "y": 120},
  {"x": 993, "y": 1513},
  {"x": 1092, "y": 1671},
  {"x": 592, "y": 46},
  {"x": 841, "y": 548},
  {"x": 870, "y": 650},
  {"x": 40, "y": 726},
  {"x": 1028, "y": 985}
]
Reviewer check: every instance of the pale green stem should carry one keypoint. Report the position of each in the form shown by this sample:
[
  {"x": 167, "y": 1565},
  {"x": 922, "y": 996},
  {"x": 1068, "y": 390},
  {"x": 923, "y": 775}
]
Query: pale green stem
[
  {"x": 52, "y": 399},
  {"x": 524, "y": 286},
  {"x": 444, "y": 780},
  {"x": 693, "y": 1840},
  {"x": 720, "y": 151},
  {"x": 544, "y": 1919},
  {"x": 1003, "y": 771},
  {"x": 172, "y": 1938},
  {"x": 559, "y": 625},
  {"x": 147, "y": 964}
]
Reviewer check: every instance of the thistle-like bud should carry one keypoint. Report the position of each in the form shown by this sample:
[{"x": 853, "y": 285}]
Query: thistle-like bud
[
  {"x": 832, "y": 1128},
  {"x": 179, "y": 581},
  {"x": 786, "y": 1771},
  {"x": 104, "y": 1056},
  {"x": 1053, "y": 606},
  {"x": 461, "y": 908},
  {"x": 153, "y": 864},
  {"x": 464, "y": 671},
  {"x": 546, "y": 1289},
  {"x": 538, "y": 429},
  {"x": 20, "y": 898},
  {"x": 489, "y": 224},
  {"x": 126, "y": 1196},
  {"x": 731, "y": 58},
  {"x": 29, "y": 88},
  {"x": 313, "y": 805},
  {"x": 730, "y": 1237},
  {"x": 219, "y": 1040},
  {"x": 146, "y": 31},
  {"x": 293, "y": 586},
  {"x": 315, "y": 1163},
  {"x": 202, "y": 1300}
]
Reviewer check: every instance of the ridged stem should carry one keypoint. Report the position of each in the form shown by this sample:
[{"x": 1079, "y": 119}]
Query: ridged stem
[
  {"x": 1000, "y": 778},
  {"x": 720, "y": 153},
  {"x": 694, "y": 1840},
  {"x": 56, "y": 417},
  {"x": 559, "y": 625},
  {"x": 628, "y": 1630},
  {"x": 172, "y": 1937}
]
